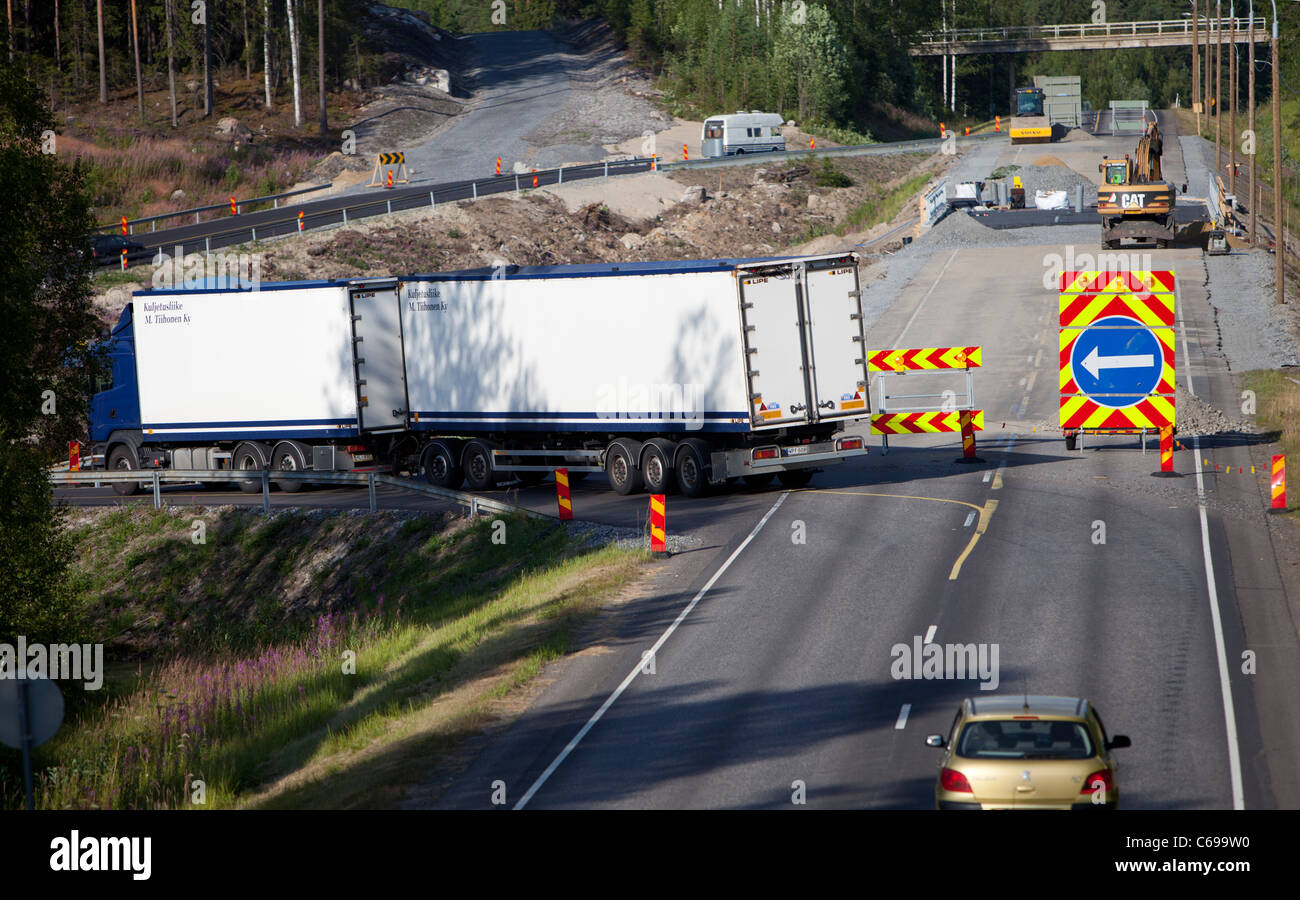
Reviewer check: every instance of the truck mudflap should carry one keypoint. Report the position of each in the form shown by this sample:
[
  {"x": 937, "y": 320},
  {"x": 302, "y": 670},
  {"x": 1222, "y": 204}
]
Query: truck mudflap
[{"x": 777, "y": 458}]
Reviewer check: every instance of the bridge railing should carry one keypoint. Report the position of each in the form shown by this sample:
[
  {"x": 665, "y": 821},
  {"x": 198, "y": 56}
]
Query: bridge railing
[{"x": 1086, "y": 30}]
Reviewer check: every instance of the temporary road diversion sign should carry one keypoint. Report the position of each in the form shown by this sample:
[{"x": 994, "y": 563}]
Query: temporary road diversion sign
[
  {"x": 389, "y": 161},
  {"x": 1117, "y": 350}
]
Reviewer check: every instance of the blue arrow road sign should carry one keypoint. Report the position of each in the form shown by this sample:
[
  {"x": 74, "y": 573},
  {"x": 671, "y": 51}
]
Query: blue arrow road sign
[{"x": 1116, "y": 361}]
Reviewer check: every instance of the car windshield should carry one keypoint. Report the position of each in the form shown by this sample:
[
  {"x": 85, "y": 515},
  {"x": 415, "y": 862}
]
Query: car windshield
[{"x": 1025, "y": 739}]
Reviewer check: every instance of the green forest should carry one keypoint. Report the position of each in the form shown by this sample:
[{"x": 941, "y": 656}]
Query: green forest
[{"x": 836, "y": 63}]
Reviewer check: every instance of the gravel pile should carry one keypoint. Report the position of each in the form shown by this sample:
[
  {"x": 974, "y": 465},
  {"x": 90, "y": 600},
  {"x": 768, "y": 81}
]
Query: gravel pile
[
  {"x": 1196, "y": 417},
  {"x": 1054, "y": 178}
]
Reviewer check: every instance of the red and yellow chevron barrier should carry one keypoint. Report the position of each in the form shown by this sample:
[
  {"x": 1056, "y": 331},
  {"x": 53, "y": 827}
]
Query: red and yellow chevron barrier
[
  {"x": 924, "y": 358},
  {"x": 1152, "y": 412},
  {"x": 924, "y": 422},
  {"x": 1117, "y": 282},
  {"x": 1152, "y": 310},
  {"x": 658, "y": 524},
  {"x": 562, "y": 495},
  {"x": 1164, "y": 335}
]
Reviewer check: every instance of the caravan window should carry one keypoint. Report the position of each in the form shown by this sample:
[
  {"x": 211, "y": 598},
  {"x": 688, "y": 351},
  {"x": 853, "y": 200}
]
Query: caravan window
[{"x": 712, "y": 130}]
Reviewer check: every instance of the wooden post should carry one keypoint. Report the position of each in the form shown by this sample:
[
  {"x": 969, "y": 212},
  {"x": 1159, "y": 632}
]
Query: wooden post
[
  {"x": 1279, "y": 259},
  {"x": 1250, "y": 80},
  {"x": 1197, "y": 100},
  {"x": 1232, "y": 89},
  {"x": 1218, "y": 88}
]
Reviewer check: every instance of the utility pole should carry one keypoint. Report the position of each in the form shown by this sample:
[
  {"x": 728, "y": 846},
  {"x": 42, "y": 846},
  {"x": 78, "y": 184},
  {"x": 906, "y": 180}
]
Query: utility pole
[
  {"x": 1250, "y": 80},
  {"x": 1232, "y": 89},
  {"x": 1197, "y": 99},
  {"x": 1280, "y": 242},
  {"x": 1218, "y": 87}
]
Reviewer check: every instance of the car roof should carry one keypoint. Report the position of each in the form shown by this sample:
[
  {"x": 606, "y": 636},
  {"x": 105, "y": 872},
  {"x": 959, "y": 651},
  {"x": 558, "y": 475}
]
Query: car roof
[{"x": 1003, "y": 705}]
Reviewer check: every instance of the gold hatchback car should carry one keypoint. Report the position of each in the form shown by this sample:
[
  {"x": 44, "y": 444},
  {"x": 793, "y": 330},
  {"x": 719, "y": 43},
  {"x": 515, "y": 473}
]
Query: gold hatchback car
[{"x": 1027, "y": 752}]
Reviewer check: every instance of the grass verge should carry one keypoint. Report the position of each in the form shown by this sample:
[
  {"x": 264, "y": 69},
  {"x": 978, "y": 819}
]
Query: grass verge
[
  {"x": 1277, "y": 409},
  {"x": 308, "y": 661}
]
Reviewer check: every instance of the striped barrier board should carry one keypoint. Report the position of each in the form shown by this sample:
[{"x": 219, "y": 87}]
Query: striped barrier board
[
  {"x": 924, "y": 359},
  {"x": 1117, "y": 350},
  {"x": 924, "y": 422},
  {"x": 1139, "y": 282}
]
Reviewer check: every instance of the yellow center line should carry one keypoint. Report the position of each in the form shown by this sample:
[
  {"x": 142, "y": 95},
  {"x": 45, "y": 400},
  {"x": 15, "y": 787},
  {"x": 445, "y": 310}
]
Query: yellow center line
[
  {"x": 985, "y": 511},
  {"x": 985, "y": 514}
]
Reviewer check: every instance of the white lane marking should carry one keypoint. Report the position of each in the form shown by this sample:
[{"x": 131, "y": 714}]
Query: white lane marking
[
  {"x": 1225, "y": 685},
  {"x": 902, "y": 717},
  {"x": 637, "y": 668},
  {"x": 1011, "y": 439},
  {"x": 970, "y": 518},
  {"x": 987, "y": 476},
  {"x": 916, "y": 312},
  {"x": 929, "y": 632}
]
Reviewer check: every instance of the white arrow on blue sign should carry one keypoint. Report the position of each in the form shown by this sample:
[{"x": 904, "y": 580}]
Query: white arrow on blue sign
[{"x": 1116, "y": 361}]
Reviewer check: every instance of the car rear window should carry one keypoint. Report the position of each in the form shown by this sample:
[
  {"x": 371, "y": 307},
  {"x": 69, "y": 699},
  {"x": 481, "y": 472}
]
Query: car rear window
[{"x": 1025, "y": 739}]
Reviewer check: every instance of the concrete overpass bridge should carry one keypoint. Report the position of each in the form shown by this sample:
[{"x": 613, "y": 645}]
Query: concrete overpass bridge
[{"x": 1085, "y": 36}]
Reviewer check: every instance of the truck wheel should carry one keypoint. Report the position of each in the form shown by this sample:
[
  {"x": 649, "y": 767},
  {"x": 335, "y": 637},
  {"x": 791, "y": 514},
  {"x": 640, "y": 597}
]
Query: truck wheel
[
  {"x": 796, "y": 478},
  {"x": 761, "y": 480},
  {"x": 694, "y": 467},
  {"x": 657, "y": 465},
  {"x": 247, "y": 459},
  {"x": 289, "y": 458},
  {"x": 477, "y": 463},
  {"x": 123, "y": 459},
  {"x": 620, "y": 466},
  {"x": 438, "y": 463}
]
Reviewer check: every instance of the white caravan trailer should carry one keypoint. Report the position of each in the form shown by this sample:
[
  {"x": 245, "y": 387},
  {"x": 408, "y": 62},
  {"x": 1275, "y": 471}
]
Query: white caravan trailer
[{"x": 753, "y": 132}]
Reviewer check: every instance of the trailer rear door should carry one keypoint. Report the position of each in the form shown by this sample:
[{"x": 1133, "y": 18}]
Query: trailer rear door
[
  {"x": 378, "y": 356},
  {"x": 838, "y": 363},
  {"x": 771, "y": 312}
]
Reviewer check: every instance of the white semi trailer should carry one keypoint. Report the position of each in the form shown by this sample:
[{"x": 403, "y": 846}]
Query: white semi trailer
[{"x": 669, "y": 375}]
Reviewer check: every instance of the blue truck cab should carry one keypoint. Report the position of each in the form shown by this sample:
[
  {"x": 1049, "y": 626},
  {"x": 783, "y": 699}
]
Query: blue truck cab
[{"x": 115, "y": 405}]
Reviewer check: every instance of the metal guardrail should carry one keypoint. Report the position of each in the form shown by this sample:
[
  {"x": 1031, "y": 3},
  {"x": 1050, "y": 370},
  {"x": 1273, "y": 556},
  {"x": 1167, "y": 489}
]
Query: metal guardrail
[
  {"x": 274, "y": 198},
  {"x": 408, "y": 198},
  {"x": 1084, "y": 30},
  {"x": 850, "y": 150},
  {"x": 265, "y": 477}
]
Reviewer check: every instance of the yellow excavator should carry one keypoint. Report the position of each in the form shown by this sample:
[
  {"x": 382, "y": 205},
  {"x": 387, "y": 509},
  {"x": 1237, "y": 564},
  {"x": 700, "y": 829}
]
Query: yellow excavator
[
  {"x": 1133, "y": 200},
  {"x": 1030, "y": 125}
]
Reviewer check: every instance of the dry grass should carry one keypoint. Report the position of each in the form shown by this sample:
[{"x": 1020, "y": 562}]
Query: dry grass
[{"x": 1277, "y": 398}]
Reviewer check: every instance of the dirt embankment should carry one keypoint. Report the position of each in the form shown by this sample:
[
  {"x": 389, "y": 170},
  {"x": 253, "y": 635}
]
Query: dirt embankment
[{"x": 737, "y": 211}]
